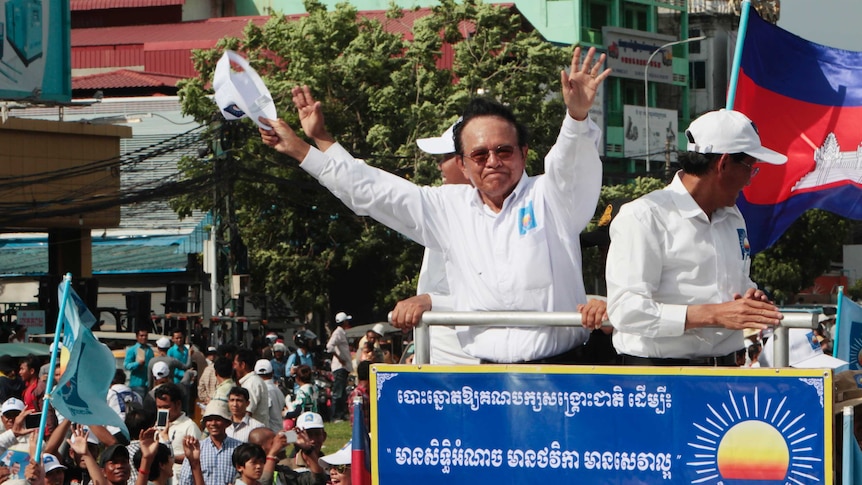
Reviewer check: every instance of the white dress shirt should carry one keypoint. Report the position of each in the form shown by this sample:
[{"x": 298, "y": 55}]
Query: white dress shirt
[
  {"x": 665, "y": 255},
  {"x": 258, "y": 396},
  {"x": 445, "y": 346},
  {"x": 526, "y": 257}
]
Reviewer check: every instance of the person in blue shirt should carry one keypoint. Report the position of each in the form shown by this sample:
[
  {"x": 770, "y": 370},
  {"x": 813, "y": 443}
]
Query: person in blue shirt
[
  {"x": 179, "y": 352},
  {"x": 137, "y": 361},
  {"x": 303, "y": 355}
]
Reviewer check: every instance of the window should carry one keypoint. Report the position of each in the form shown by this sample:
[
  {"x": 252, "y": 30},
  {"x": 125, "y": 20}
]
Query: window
[
  {"x": 697, "y": 75},
  {"x": 694, "y": 47},
  {"x": 598, "y": 14},
  {"x": 635, "y": 17}
]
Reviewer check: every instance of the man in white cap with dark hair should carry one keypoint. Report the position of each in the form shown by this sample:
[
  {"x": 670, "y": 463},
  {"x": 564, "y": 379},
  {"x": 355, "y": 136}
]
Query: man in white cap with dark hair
[
  {"x": 210, "y": 459},
  {"x": 263, "y": 368},
  {"x": 342, "y": 365},
  {"x": 432, "y": 289},
  {"x": 12, "y": 415},
  {"x": 679, "y": 291},
  {"x": 163, "y": 344}
]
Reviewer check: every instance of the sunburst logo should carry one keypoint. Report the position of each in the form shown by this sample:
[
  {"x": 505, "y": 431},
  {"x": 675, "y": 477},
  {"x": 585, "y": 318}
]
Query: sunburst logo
[{"x": 742, "y": 440}]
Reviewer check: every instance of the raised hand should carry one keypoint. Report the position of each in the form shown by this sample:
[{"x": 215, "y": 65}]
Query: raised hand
[{"x": 580, "y": 85}]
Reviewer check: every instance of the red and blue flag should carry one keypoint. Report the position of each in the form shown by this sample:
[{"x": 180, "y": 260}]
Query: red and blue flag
[
  {"x": 360, "y": 468},
  {"x": 806, "y": 100}
]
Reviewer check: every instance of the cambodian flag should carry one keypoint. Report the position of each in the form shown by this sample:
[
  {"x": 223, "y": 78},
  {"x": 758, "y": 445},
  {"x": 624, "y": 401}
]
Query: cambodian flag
[
  {"x": 360, "y": 468},
  {"x": 806, "y": 100}
]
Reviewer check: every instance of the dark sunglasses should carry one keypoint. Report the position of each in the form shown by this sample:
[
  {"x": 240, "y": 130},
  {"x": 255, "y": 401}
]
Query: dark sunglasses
[{"x": 481, "y": 155}]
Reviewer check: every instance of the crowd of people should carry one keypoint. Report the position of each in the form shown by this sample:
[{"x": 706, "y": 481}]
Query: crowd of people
[{"x": 220, "y": 416}]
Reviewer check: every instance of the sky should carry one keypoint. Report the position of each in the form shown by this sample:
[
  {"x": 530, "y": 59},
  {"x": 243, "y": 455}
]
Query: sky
[{"x": 831, "y": 22}]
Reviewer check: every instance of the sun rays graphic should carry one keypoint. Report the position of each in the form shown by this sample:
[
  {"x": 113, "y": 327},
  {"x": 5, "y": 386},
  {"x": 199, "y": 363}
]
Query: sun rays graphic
[
  {"x": 856, "y": 352},
  {"x": 739, "y": 440}
]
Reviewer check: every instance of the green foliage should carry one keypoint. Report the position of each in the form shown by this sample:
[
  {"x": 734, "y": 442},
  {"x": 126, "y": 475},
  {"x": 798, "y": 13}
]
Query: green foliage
[
  {"x": 802, "y": 254},
  {"x": 379, "y": 93}
]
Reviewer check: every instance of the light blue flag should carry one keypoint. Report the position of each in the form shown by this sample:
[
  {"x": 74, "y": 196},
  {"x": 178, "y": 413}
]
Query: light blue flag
[
  {"x": 848, "y": 336},
  {"x": 81, "y": 394}
]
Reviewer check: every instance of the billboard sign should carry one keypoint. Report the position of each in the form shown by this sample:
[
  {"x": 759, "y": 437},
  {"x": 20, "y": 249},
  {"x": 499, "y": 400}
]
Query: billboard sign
[
  {"x": 629, "y": 50},
  {"x": 600, "y": 425},
  {"x": 35, "y": 53},
  {"x": 664, "y": 128}
]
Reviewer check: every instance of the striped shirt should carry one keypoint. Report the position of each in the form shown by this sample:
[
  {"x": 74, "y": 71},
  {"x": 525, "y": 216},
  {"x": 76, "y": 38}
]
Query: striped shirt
[{"x": 216, "y": 463}]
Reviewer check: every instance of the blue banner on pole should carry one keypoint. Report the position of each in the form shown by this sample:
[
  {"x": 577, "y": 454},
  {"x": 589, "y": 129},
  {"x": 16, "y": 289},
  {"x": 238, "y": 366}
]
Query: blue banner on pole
[{"x": 501, "y": 424}]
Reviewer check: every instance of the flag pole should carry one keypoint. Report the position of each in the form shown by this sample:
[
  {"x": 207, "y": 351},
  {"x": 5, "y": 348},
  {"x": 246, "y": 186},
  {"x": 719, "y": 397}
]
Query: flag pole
[
  {"x": 737, "y": 53},
  {"x": 836, "y": 332},
  {"x": 49, "y": 386}
]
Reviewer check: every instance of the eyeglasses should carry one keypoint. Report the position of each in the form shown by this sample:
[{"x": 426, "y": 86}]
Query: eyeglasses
[
  {"x": 481, "y": 155},
  {"x": 341, "y": 468},
  {"x": 750, "y": 166}
]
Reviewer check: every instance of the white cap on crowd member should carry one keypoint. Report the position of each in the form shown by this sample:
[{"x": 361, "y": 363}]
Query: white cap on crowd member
[
  {"x": 12, "y": 404},
  {"x": 440, "y": 145},
  {"x": 344, "y": 456},
  {"x": 728, "y": 131},
  {"x": 163, "y": 343},
  {"x": 805, "y": 352},
  {"x": 309, "y": 420},
  {"x": 378, "y": 328},
  {"x": 161, "y": 369},
  {"x": 263, "y": 367},
  {"x": 51, "y": 463},
  {"x": 340, "y": 317}
]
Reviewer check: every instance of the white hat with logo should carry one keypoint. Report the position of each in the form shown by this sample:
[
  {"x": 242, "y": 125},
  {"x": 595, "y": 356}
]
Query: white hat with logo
[{"x": 728, "y": 131}]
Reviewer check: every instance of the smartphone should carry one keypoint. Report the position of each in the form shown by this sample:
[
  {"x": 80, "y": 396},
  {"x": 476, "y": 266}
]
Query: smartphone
[
  {"x": 290, "y": 435},
  {"x": 162, "y": 419},
  {"x": 31, "y": 421}
]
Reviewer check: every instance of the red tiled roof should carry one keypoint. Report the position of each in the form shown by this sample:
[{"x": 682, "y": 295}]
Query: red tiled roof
[
  {"x": 210, "y": 29},
  {"x": 124, "y": 78},
  {"x": 84, "y": 5}
]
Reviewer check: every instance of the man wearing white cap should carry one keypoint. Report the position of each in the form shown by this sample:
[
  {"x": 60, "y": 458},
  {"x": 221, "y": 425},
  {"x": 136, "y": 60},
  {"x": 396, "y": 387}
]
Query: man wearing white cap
[
  {"x": 164, "y": 344},
  {"x": 12, "y": 415},
  {"x": 342, "y": 365},
  {"x": 679, "y": 291},
  {"x": 263, "y": 368},
  {"x": 210, "y": 458},
  {"x": 337, "y": 465},
  {"x": 432, "y": 288}
]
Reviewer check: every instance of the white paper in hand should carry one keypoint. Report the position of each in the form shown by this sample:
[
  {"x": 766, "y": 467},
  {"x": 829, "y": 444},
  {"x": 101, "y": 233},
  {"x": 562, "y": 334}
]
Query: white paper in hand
[{"x": 241, "y": 94}]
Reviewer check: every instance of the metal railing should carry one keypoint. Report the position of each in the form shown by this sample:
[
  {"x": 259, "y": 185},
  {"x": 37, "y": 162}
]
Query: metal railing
[{"x": 422, "y": 339}]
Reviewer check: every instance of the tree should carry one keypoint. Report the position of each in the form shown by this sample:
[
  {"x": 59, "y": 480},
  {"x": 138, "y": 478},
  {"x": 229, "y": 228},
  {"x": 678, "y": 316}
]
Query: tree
[
  {"x": 612, "y": 196},
  {"x": 804, "y": 252},
  {"x": 379, "y": 92}
]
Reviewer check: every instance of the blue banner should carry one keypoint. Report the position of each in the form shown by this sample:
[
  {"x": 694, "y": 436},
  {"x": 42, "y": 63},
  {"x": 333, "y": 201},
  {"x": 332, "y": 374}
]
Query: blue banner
[{"x": 600, "y": 425}]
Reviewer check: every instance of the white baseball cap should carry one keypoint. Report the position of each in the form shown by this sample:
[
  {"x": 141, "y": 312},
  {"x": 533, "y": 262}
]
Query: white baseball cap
[
  {"x": 805, "y": 352},
  {"x": 728, "y": 131},
  {"x": 309, "y": 420},
  {"x": 163, "y": 343},
  {"x": 12, "y": 404},
  {"x": 263, "y": 366},
  {"x": 379, "y": 329},
  {"x": 161, "y": 369},
  {"x": 51, "y": 463},
  {"x": 341, "y": 316},
  {"x": 241, "y": 94},
  {"x": 344, "y": 456},
  {"x": 440, "y": 145}
]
